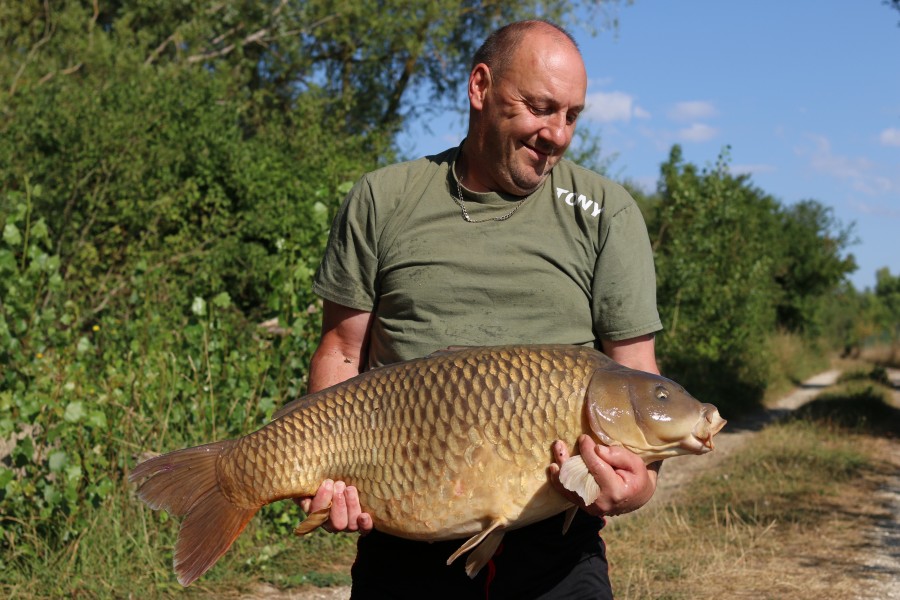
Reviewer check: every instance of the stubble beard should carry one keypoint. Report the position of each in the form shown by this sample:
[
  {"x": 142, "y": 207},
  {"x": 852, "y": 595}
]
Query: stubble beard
[{"x": 524, "y": 179}]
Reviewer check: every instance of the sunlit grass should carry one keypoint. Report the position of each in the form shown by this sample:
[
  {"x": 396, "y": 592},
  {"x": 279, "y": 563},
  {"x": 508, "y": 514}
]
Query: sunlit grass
[{"x": 792, "y": 491}]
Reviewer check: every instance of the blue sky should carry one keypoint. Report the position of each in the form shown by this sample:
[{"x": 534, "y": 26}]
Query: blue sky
[{"x": 806, "y": 93}]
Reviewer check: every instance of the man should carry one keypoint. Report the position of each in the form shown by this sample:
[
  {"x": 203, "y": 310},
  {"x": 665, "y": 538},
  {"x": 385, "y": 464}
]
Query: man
[{"x": 497, "y": 241}]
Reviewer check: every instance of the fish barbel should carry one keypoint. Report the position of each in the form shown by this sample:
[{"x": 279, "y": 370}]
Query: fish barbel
[{"x": 453, "y": 445}]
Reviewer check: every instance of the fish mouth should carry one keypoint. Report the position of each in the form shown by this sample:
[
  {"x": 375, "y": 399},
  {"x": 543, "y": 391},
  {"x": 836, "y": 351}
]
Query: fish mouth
[{"x": 710, "y": 423}]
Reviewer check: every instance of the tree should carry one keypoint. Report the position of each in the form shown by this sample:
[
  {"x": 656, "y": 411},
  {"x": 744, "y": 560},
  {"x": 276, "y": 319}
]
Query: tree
[
  {"x": 209, "y": 141},
  {"x": 887, "y": 291},
  {"x": 895, "y": 4},
  {"x": 712, "y": 234},
  {"x": 810, "y": 263}
]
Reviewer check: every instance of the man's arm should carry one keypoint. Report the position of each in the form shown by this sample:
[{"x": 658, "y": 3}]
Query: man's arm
[
  {"x": 625, "y": 482},
  {"x": 340, "y": 356},
  {"x": 342, "y": 348}
]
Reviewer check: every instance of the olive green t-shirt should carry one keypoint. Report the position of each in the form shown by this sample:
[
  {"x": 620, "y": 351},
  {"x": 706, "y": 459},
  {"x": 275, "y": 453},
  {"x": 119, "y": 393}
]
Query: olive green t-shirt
[{"x": 572, "y": 265}]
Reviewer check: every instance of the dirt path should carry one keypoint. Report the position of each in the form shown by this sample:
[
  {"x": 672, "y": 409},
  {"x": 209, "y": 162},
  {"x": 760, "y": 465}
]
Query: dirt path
[
  {"x": 885, "y": 539},
  {"x": 883, "y": 542}
]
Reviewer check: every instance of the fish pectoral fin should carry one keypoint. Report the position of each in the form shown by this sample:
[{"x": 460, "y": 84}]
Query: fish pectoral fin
[
  {"x": 491, "y": 536},
  {"x": 570, "y": 516},
  {"x": 575, "y": 477},
  {"x": 313, "y": 520}
]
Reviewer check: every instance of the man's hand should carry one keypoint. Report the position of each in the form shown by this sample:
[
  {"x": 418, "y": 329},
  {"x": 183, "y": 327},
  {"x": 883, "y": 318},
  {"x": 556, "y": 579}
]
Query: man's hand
[
  {"x": 346, "y": 513},
  {"x": 625, "y": 482}
]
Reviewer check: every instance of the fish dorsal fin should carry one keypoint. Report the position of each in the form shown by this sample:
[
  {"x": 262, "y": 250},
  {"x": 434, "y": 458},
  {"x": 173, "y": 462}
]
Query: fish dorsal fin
[
  {"x": 575, "y": 477},
  {"x": 491, "y": 536},
  {"x": 449, "y": 350}
]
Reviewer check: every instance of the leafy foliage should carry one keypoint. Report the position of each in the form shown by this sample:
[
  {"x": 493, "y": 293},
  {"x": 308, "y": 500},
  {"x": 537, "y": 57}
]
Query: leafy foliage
[
  {"x": 168, "y": 173},
  {"x": 715, "y": 290},
  {"x": 733, "y": 267}
]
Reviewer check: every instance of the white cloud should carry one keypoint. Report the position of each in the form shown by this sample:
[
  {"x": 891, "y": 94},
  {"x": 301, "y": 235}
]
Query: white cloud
[
  {"x": 698, "y": 132},
  {"x": 890, "y": 137},
  {"x": 859, "y": 173},
  {"x": 823, "y": 159},
  {"x": 608, "y": 107},
  {"x": 692, "y": 111},
  {"x": 877, "y": 210}
]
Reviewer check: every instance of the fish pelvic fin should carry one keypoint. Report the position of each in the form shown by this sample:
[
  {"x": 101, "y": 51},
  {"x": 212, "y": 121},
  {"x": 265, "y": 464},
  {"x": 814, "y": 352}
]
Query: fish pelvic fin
[
  {"x": 570, "y": 516},
  {"x": 575, "y": 477},
  {"x": 185, "y": 483},
  {"x": 481, "y": 555},
  {"x": 487, "y": 540},
  {"x": 313, "y": 520}
]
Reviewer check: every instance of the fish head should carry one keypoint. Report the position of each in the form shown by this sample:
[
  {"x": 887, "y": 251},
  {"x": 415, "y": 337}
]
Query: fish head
[{"x": 650, "y": 415}]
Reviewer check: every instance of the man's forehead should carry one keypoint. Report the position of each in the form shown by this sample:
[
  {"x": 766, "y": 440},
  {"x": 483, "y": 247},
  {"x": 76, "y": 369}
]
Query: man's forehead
[{"x": 549, "y": 77}]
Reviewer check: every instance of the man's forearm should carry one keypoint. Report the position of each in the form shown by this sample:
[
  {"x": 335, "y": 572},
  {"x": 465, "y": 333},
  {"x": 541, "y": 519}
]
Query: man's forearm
[{"x": 329, "y": 367}]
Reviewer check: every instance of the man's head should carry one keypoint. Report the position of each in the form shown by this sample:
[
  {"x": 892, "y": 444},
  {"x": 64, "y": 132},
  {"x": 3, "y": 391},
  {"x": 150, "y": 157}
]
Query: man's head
[{"x": 526, "y": 89}]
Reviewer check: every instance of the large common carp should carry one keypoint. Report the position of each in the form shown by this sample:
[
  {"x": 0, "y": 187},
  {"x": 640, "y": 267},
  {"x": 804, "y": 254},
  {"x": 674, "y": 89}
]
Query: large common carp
[{"x": 454, "y": 445}]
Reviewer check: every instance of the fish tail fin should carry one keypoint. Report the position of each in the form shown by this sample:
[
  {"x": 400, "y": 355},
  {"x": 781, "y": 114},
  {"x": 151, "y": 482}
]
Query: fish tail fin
[{"x": 185, "y": 483}]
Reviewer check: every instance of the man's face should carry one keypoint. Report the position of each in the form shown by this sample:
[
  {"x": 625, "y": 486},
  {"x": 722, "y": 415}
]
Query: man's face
[{"x": 529, "y": 112}]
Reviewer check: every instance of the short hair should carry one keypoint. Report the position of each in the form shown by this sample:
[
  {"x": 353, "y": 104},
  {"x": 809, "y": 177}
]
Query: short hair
[{"x": 500, "y": 46}]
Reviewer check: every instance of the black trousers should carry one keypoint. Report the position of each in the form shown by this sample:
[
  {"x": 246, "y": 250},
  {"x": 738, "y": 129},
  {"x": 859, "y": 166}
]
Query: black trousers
[{"x": 535, "y": 562}]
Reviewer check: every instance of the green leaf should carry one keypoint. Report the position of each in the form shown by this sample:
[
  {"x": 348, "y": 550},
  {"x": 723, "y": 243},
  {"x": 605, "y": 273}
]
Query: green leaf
[
  {"x": 73, "y": 473},
  {"x": 97, "y": 419},
  {"x": 39, "y": 230},
  {"x": 84, "y": 345},
  {"x": 7, "y": 262},
  {"x": 6, "y": 475},
  {"x": 222, "y": 300},
  {"x": 198, "y": 307},
  {"x": 51, "y": 496},
  {"x": 23, "y": 452},
  {"x": 74, "y": 411},
  {"x": 57, "y": 461},
  {"x": 11, "y": 235}
]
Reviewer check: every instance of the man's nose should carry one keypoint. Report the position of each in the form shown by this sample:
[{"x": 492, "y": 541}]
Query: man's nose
[{"x": 556, "y": 131}]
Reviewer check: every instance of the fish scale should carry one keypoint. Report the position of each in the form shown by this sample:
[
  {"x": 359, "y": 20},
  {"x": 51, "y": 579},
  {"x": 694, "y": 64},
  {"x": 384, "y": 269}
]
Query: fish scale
[{"x": 453, "y": 445}]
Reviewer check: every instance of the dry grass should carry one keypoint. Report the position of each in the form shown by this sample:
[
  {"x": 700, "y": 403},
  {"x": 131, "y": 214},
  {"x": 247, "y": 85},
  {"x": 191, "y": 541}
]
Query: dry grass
[
  {"x": 885, "y": 355},
  {"x": 787, "y": 518}
]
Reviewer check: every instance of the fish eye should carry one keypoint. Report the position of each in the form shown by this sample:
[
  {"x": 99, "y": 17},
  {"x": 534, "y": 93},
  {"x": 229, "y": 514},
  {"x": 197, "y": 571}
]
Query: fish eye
[{"x": 662, "y": 393}]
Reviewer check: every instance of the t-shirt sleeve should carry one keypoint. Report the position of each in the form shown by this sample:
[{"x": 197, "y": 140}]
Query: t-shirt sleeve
[
  {"x": 624, "y": 285},
  {"x": 348, "y": 269}
]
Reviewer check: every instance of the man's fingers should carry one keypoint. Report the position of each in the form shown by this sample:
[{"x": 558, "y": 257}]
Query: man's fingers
[
  {"x": 323, "y": 496},
  {"x": 338, "y": 518},
  {"x": 560, "y": 452},
  {"x": 365, "y": 523},
  {"x": 620, "y": 459},
  {"x": 351, "y": 499}
]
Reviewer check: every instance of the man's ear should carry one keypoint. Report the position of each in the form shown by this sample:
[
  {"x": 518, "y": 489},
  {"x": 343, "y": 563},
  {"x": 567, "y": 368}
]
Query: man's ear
[{"x": 480, "y": 82}]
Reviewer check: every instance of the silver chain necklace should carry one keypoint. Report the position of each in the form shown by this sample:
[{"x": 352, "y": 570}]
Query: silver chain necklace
[{"x": 465, "y": 213}]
